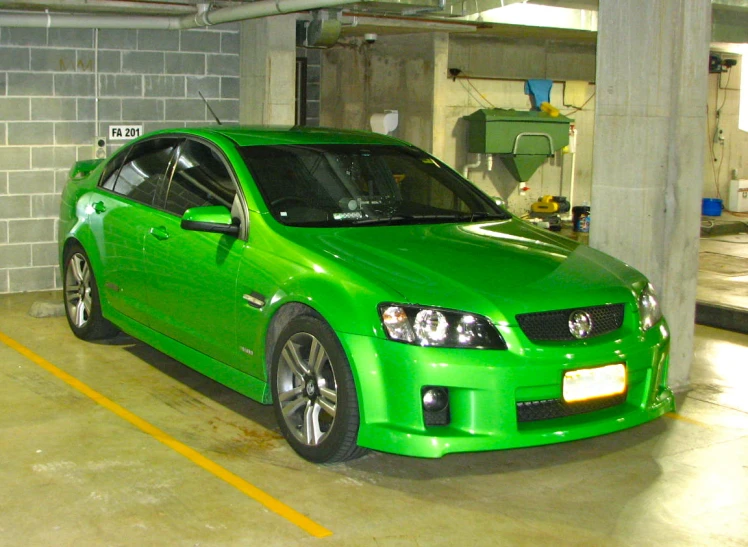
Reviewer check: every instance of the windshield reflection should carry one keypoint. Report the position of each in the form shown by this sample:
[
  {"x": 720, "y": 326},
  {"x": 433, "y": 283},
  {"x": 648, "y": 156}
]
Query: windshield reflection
[{"x": 363, "y": 185}]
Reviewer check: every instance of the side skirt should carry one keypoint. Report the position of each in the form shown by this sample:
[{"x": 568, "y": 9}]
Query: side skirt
[{"x": 230, "y": 377}]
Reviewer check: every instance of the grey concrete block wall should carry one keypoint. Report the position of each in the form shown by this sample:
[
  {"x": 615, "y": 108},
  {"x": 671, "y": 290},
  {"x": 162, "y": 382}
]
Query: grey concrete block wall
[
  {"x": 50, "y": 117},
  {"x": 313, "y": 78}
]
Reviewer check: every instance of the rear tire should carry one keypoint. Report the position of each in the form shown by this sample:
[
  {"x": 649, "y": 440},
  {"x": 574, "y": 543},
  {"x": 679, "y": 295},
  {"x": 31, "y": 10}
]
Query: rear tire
[
  {"x": 314, "y": 395},
  {"x": 81, "y": 297}
]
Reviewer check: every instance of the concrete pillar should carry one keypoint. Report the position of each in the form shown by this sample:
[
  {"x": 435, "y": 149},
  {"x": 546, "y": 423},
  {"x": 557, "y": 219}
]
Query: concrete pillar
[
  {"x": 439, "y": 131},
  {"x": 648, "y": 159},
  {"x": 267, "y": 70},
  {"x": 403, "y": 72}
]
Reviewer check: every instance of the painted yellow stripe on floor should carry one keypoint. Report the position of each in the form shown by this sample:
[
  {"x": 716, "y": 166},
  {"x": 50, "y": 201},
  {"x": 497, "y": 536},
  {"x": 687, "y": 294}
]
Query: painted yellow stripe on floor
[
  {"x": 683, "y": 418},
  {"x": 194, "y": 456}
]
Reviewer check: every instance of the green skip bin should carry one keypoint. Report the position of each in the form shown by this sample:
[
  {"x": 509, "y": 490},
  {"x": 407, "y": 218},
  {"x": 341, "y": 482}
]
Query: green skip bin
[{"x": 523, "y": 139}]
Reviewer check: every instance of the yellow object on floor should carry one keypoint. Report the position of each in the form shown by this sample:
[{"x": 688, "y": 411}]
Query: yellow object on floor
[{"x": 545, "y": 205}]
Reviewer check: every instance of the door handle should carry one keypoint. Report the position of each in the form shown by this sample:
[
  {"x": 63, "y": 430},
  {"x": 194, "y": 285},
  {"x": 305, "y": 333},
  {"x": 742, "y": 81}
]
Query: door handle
[
  {"x": 99, "y": 207},
  {"x": 159, "y": 233}
]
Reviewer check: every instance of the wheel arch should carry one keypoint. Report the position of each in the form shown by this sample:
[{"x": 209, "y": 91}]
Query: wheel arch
[
  {"x": 278, "y": 322},
  {"x": 69, "y": 242},
  {"x": 350, "y": 309}
]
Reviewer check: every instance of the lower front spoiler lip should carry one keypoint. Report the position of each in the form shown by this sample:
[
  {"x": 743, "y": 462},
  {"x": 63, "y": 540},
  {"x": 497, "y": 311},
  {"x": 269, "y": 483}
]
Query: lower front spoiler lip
[{"x": 436, "y": 442}]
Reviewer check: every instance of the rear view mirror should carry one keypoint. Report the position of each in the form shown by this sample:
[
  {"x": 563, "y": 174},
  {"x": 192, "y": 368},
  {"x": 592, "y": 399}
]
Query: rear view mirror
[{"x": 215, "y": 219}]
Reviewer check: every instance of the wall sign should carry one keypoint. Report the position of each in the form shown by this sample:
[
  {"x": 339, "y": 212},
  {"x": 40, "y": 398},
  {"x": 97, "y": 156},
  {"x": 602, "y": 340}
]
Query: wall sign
[{"x": 124, "y": 132}]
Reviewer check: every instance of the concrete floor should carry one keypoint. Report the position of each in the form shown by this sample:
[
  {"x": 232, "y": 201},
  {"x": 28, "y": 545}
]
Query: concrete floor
[
  {"x": 723, "y": 261},
  {"x": 72, "y": 472},
  {"x": 722, "y": 293}
]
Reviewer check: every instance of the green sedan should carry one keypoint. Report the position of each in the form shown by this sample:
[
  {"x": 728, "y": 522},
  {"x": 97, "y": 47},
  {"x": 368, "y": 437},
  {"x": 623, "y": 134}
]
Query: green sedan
[{"x": 376, "y": 298}]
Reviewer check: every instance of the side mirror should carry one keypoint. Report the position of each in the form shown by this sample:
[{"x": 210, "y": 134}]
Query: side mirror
[
  {"x": 498, "y": 200},
  {"x": 214, "y": 219}
]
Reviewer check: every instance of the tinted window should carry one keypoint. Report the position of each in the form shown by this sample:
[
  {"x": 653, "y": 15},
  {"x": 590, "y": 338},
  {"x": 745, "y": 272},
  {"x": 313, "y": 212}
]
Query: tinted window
[
  {"x": 422, "y": 184},
  {"x": 143, "y": 170},
  {"x": 200, "y": 178},
  {"x": 328, "y": 185},
  {"x": 109, "y": 176}
]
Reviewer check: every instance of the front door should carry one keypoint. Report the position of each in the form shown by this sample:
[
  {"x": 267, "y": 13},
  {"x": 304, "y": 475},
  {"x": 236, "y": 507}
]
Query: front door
[{"x": 193, "y": 275}]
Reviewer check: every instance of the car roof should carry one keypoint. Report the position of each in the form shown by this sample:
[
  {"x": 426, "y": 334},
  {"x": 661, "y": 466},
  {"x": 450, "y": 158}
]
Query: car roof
[{"x": 268, "y": 135}]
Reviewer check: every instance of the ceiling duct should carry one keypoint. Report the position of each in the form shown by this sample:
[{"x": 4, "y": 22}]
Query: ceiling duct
[{"x": 323, "y": 33}]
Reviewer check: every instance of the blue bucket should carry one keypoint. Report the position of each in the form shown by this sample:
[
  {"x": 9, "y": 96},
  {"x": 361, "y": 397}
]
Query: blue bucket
[{"x": 711, "y": 207}]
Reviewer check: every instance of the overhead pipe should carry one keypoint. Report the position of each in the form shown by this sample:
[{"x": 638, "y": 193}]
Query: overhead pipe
[
  {"x": 103, "y": 21},
  {"x": 202, "y": 17}
]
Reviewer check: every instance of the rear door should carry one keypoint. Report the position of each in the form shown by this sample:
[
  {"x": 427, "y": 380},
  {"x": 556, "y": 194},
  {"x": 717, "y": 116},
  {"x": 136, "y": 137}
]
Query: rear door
[{"x": 123, "y": 211}]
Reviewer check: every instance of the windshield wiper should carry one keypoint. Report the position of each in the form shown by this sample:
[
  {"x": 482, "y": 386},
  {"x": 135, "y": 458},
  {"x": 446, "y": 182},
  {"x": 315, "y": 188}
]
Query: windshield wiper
[
  {"x": 382, "y": 220},
  {"x": 417, "y": 219}
]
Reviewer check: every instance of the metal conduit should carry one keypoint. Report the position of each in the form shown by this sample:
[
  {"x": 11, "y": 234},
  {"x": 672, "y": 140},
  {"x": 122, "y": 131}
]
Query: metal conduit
[{"x": 201, "y": 18}]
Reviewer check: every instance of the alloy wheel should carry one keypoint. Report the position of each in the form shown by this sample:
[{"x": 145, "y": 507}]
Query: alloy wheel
[
  {"x": 307, "y": 389},
  {"x": 78, "y": 288}
]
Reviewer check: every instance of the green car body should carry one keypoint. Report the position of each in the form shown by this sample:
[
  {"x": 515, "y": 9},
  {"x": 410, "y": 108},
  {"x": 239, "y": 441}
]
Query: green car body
[{"x": 216, "y": 295}]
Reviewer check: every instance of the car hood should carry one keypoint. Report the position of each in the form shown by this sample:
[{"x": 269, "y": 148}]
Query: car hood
[{"x": 509, "y": 266}]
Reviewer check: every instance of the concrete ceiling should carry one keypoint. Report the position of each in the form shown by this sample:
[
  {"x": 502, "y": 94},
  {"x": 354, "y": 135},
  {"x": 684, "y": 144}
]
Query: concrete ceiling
[
  {"x": 124, "y": 7},
  {"x": 183, "y": 7}
]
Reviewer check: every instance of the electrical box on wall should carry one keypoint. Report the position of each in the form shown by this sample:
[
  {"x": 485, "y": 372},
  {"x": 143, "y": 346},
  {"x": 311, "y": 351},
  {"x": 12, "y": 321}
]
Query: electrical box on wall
[
  {"x": 738, "y": 198},
  {"x": 524, "y": 140}
]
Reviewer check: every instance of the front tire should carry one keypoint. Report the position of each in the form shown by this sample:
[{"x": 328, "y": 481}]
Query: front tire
[
  {"x": 81, "y": 294},
  {"x": 314, "y": 394}
]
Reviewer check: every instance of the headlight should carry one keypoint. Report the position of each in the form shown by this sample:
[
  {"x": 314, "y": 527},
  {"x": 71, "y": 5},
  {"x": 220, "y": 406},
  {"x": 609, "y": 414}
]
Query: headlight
[
  {"x": 649, "y": 308},
  {"x": 438, "y": 327}
]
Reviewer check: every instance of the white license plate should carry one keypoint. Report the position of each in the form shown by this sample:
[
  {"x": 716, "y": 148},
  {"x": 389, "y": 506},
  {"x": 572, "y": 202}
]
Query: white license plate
[{"x": 592, "y": 383}]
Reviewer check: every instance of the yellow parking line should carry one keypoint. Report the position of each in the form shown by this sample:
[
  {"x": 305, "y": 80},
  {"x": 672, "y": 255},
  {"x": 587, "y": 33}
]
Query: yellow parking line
[
  {"x": 194, "y": 456},
  {"x": 683, "y": 418}
]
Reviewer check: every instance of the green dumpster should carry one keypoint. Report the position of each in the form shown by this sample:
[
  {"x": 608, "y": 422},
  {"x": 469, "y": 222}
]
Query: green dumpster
[{"x": 523, "y": 139}]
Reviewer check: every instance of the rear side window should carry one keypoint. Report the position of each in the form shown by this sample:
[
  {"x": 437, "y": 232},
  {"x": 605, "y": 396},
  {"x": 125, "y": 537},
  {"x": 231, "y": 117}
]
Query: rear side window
[
  {"x": 109, "y": 177},
  {"x": 143, "y": 171},
  {"x": 200, "y": 178}
]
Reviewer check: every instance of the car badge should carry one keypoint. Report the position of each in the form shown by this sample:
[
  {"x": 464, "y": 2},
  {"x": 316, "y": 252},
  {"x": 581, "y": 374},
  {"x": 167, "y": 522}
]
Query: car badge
[{"x": 580, "y": 324}]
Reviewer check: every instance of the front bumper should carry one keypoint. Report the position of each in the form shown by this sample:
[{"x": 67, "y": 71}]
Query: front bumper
[{"x": 486, "y": 385}]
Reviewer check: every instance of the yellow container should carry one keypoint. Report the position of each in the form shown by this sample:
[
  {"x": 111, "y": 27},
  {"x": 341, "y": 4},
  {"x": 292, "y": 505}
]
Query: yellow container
[{"x": 544, "y": 207}]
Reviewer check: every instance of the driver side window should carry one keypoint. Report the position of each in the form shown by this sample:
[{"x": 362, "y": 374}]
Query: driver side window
[{"x": 200, "y": 178}]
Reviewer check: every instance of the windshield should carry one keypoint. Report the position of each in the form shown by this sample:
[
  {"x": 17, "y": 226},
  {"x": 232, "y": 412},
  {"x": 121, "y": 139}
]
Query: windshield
[{"x": 362, "y": 185}]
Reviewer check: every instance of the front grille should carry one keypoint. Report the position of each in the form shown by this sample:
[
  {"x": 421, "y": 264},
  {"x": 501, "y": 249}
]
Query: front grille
[
  {"x": 554, "y": 325},
  {"x": 547, "y": 409}
]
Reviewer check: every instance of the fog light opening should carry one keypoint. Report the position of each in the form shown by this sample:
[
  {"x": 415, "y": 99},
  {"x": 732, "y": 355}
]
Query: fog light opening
[{"x": 435, "y": 402}]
